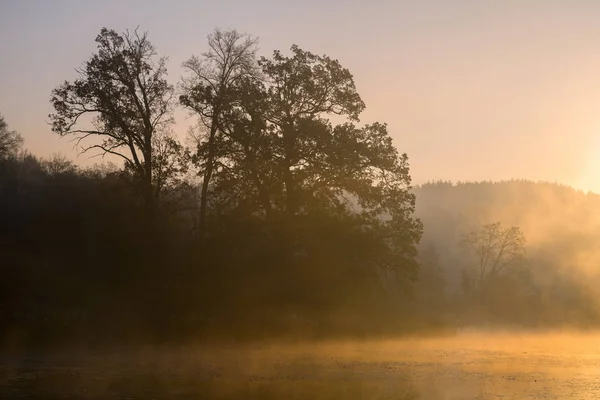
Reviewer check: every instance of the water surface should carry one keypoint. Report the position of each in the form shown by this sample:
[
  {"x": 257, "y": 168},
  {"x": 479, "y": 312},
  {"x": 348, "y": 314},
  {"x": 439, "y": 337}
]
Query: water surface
[{"x": 471, "y": 366}]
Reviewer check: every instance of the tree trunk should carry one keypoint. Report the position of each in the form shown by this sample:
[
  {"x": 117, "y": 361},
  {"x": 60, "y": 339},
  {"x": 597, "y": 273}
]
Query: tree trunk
[
  {"x": 148, "y": 192},
  {"x": 263, "y": 194},
  {"x": 288, "y": 178},
  {"x": 149, "y": 203},
  {"x": 207, "y": 174}
]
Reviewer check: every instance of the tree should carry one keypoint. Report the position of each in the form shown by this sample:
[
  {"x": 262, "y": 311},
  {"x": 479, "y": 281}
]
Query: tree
[
  {"x": 496, "y": 250},
  {"x": 10, "y": 141},
  {"x": 58, "y": 164},
  {"x": 170, "y": 162},
  {"x": 207, "y": 91},
  {"x": 300, "y": 91},
  {"x": 277, "y": 131},
  {"x": 125, "y": 99},
  {"x": 279, "y": 157}
]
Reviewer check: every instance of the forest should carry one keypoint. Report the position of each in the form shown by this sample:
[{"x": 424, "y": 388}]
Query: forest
[{"x": 280, "y": 214}]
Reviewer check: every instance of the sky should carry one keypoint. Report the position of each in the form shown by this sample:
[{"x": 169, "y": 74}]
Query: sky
[{"x": 470, "y": 89}]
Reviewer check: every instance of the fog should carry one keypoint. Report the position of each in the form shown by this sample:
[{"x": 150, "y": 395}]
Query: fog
[
  {"x": 474, "y": 365},
  {"x": 253, "y": 229},
  {"x": 559, "y": 225}
]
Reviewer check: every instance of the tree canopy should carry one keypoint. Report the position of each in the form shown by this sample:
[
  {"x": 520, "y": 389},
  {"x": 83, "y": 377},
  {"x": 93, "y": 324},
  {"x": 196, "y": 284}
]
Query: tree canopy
[
  {"x": 122, "y": 99},
  {"x": 10, "y": 141}
]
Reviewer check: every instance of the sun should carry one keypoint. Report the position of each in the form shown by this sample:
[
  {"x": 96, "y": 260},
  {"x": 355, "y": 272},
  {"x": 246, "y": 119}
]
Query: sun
[{"x": 589, "y": 177}]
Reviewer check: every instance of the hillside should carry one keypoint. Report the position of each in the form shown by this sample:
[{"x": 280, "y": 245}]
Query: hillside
[{"x": 561, "y": 226}]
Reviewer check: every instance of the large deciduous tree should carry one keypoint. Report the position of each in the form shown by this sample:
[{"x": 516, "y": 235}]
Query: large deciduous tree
[
  {"x": 280, "y": 157},
  {"x": 299, "y": 92},
  {"x": 207, "y": 90},
  {"x": 278, "y": 135},
  {"x": 123, "y": 100}
]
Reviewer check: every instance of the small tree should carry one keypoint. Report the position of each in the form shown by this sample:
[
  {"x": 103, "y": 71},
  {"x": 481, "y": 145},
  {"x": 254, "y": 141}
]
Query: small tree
[
  {"x": 10, "y": 141},
  {"x": 123, "y": 92},
  {"x": 496, "y": 250},
  {"x": 57, "y": 165}
]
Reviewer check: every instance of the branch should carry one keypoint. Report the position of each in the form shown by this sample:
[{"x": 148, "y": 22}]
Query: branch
[{"x": 109, "y": 150}]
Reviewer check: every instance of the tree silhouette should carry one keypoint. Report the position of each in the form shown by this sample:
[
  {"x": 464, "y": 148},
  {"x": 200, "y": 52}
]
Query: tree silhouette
[
  {"x": 496, "y": 250},
  {"x": 123, "y": 92},
  {"x": 10, "y": 141},
  {"x": 298, "y": 92},
  {"x": 209, "y": 89},
  {"x": 280, "y": 157},
  {"x": 299, "y": 214}
]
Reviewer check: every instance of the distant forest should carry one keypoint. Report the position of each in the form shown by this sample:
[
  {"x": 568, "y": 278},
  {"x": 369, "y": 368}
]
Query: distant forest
[
  {"x": 555, "y": 278},
  {"x": 269, "y": 219}
]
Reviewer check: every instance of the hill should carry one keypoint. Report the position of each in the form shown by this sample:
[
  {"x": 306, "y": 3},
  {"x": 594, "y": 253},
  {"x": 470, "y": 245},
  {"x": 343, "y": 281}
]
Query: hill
[{"x": 561, "y": 227}]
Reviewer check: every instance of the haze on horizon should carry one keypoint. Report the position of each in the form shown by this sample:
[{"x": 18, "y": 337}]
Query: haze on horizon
[{"x": 470, "y": 90}]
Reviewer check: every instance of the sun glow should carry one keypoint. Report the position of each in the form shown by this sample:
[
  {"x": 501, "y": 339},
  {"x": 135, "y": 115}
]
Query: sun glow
[{"x": 589, "y": 178}]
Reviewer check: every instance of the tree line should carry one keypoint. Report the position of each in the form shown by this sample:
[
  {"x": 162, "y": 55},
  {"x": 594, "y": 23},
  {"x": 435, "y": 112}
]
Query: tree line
[
  {"x": 271, "y": 220},
  {"x": 275, "y": 211}
]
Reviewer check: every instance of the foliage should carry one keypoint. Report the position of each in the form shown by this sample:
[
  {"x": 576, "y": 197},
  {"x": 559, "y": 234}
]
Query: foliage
[
  {"x": 305, "y": 214},
  {"x": 123, "y": 95},
  {"x": 279, "y": 156},
  {"x": 496, "y": 250},
  {"x": 298, "y": 216},
  {"x": 209, "y": 89},
  {"x": 10, "y": 141}
]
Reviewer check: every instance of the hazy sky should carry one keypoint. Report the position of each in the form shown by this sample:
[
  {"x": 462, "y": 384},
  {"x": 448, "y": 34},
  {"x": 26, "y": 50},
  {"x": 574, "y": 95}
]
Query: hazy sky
[{"x": 471, "y": 89}]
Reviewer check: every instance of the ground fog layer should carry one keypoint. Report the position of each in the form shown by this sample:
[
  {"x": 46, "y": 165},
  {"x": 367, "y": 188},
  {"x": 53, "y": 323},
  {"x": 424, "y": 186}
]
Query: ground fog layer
[{"x": 474, "y": 366}]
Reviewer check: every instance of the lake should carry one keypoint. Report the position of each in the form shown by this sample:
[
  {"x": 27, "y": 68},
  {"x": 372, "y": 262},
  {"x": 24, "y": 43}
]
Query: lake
[{"x": 469, "y": 366}]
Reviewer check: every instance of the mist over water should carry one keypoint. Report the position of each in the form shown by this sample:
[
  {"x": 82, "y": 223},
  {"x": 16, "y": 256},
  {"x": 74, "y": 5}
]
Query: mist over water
[
  {"x": 476, "y": 365},
  {"x": 277, "y": 246}
]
